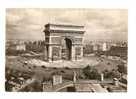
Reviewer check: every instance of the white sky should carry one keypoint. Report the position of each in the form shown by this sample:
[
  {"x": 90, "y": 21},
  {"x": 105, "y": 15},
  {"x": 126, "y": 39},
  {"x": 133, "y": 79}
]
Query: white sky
[{"x": 99, "y": 23}]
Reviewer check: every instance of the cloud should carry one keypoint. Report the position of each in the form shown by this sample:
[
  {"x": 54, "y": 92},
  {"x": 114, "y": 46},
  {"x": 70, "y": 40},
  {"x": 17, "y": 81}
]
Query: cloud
[{"x": 99, "y": 23}]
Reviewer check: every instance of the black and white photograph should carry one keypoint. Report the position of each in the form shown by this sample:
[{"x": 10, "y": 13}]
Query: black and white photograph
[{"x": 66, "y": 50}]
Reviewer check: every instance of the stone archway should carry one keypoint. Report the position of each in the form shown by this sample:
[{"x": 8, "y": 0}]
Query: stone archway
[
  {"x": 72, "y": 35},
  {"x": 66, "y": 49}
]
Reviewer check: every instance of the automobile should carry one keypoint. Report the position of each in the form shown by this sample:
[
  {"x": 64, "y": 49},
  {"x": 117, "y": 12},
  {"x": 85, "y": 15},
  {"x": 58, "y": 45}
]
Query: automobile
[
  {"x": 25, "y": 62},
  {"x": 93, "y": 90},
  {"x": 43, "y": 66},
  {"x": 108, "y": 63}
]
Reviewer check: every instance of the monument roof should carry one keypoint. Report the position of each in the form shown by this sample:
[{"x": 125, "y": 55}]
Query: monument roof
[
  {"x": 61, "y": 28},
  {"x": 64, "y": 25}
]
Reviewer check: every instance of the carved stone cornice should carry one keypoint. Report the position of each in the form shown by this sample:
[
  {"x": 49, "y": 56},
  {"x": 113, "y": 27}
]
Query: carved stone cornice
[{"x": 66, "y": 31}]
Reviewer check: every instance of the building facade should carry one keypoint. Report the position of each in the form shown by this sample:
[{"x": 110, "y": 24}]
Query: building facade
[{"x": 63, "y": 42}]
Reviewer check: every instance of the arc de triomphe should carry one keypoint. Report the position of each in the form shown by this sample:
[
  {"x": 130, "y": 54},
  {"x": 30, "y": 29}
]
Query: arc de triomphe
[{"x": 63, "y": 42}]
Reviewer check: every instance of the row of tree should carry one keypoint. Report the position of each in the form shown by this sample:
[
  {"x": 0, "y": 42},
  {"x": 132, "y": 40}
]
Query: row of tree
[
  {"x": 36, "y": 46},
  {"x": 91, "y": 73}
]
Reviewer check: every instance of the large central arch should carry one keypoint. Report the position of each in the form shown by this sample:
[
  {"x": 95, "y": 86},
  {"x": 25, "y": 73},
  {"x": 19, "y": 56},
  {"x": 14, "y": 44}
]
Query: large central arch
[{"x": 66, "y": 49}]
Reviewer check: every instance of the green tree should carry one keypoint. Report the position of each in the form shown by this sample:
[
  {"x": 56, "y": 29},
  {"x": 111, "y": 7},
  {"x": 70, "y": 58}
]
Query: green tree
[
  {"x": 111, "y": 74},
  {"x": 122, "y": 69},
  {"x": 91, "y": 73}
]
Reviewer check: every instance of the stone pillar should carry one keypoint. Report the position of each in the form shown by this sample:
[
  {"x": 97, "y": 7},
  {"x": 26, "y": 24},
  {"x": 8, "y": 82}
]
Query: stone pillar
[
  {"x": 116, "y": 82},
  {"x": 50, "y": 53},
  {"x": 81, "y": 51},
  {"x": 74, "y": 76},
  {"x": 73, "y": 53},
  {"x": 45, "y": 53},
  {"x": 102, "y": 76},
  {"x": 60, "y": 52}
]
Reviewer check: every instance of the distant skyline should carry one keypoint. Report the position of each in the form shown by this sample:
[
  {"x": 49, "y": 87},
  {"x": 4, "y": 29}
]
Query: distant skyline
[{"x": 104, "y": 24}]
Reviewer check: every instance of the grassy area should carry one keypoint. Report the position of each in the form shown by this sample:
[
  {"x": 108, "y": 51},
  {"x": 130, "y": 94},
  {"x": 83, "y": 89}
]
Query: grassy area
[{"x": 43, "y": 72}]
